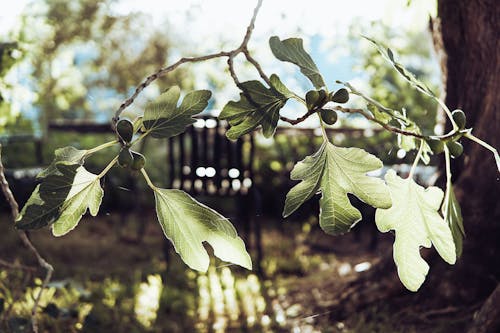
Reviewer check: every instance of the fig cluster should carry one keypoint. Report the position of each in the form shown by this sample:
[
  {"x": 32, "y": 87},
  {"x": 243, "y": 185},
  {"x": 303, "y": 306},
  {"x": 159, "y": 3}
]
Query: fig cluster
[{"x": 316, "y": 99}]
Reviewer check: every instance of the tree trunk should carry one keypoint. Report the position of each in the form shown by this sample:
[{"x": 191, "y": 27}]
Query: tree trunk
[{"x": 470, "y": 35}]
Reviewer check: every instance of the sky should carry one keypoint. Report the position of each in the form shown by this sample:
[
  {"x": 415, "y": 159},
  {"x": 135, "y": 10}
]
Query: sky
[{"x": 199, "y": 27}]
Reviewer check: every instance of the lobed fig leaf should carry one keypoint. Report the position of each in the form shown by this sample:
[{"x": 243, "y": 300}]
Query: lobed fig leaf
[
  {"x": 335, "y": 172},
  {"x": 414, "y": 216}
]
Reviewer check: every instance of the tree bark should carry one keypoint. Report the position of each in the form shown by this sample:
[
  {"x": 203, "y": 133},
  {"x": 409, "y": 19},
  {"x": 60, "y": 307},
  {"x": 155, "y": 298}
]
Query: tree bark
[{"x": 470, "y": 35}]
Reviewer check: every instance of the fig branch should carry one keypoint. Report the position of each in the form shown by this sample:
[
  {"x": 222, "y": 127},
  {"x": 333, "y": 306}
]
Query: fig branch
[{"x": 242, "y": 48}]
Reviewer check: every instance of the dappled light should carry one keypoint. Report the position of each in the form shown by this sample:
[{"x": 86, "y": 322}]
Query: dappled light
[{"x": 223, "y": 167}]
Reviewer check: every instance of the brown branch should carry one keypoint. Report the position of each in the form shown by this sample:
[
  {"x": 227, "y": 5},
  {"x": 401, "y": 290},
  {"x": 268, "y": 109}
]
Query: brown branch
[
  {"x": 162, "y": 71},
  {"x": 381, "y": 123},
  {"x": 257, "y": 66},
  {"x": 26, "y": 241},
  {"x": 16, "y": 266},
  {"x": 301, "y": 119}
]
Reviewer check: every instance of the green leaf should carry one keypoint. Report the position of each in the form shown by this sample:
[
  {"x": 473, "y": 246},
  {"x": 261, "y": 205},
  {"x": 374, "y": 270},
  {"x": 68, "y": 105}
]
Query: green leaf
[
  {"x": 414, "y": 216},
  {"x": 292, "y": 50},
  {"x": 453, "y": 216},
  {"x": 67, "y": 154},
  {"x": 335, "y": 172},
  {"x": 61, "y": 199},
  {"x": 163, "y": 119},
  {"x": 86, "y": 192},
  {"x": 389, "y": 56},
  {"x": 280, "y": 87},
  {"x": 188, "y": 223},
  {"x": 263, "y": 109}
]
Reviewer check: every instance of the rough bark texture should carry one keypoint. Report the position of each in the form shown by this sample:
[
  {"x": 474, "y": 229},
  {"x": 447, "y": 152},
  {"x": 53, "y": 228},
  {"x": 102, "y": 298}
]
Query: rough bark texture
[{"x": 470, "y": 34}]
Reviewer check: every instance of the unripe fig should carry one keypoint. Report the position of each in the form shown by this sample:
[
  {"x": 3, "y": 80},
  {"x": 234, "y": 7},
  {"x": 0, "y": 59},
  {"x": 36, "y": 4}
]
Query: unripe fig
[
  {"x": 138, "y": 161},
  {"x": 125, "y": 158},
  {"x": 456, "y": 149},
  {"x": 436, "y": 145},
  {"x": 459, "y": 118},
  {"x": 323, "y": 98},
  {"x": 340, "y": 96},
  {"x": 125, "y": 130},
  {"x": 312, "y": 97},
  {"x": 329, "y": 116}
]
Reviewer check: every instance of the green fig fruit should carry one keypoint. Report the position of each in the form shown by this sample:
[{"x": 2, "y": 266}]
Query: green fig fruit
[
  {"x": 125, "y": 158},
  {"x": 459, "y": 118},
  {"x": 329, "y": 116},
  {"x": 323, "y": 98},
  {"x": 125, "y": 130},
  {"x": 138, "y": 161},
  {"x": 340, "y": 96},
  {"x": 456, "y": 149},
  {"x": 312, "y": 97},
  {"x": 436, "y": 145}
]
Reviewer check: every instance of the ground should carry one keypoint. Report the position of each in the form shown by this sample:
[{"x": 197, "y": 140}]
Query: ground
[{"x": 107, "y": 280}]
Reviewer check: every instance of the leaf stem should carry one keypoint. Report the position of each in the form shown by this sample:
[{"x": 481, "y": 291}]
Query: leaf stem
[
  {"x": 142, "y": 136},
  {"x": 485, "y": 145},
  {"x": 448, "y": 112},
  {"x": 109, "y": 166},
  {"x": 448, "y": 180},
  {"x": 323, "y": 130},
  {"x": 100, "y": 147},
  {"x": 417, "y": 158},
  {"x": 148, "y": 180}
]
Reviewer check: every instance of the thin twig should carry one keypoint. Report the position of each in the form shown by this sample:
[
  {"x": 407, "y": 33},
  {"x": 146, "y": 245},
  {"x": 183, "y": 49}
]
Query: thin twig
[
  {"x": 299, "y": 120},
  {"x": 257, "y": 66},
  {"x": 11, "y": 265},
  {"x": 26, "y": 241},
  {"x": 162, "y": 71},
  {"x": 381, "y": 123}
]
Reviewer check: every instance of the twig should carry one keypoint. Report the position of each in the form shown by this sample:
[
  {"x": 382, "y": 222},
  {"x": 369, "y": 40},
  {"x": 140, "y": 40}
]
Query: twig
[
  {"x": 381, "y": 123},
  {"x": 230, "y": 54},
  {"x": 301, "y": 119},
  {"x": 16, "y": 266},
  {"x": 26, "y": 241}
]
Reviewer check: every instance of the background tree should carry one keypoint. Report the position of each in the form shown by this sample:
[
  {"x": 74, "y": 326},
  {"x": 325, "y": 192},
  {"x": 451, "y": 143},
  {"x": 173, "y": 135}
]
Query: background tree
[
  {"x": 471, "y": 65},
  {"x": 81, "y": 54}
]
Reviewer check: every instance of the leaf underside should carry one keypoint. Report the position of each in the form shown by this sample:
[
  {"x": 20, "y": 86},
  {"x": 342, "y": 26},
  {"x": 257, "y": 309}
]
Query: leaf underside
[
  {"x": 61, "y": 199},
  {"x": 292, "y": 50},
  {"x": 414, "y": 216},
  {"x": 67, "y": 154},
  {"x": 261, "y": 110},
  {"x": 164, "y": 119},
  {"x": 187, "y": 224},
  {"x": 335, "y": 172},
  {"x": 453, "y": 216}
]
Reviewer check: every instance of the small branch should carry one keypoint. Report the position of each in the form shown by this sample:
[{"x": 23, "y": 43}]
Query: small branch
[
  {"x": 381, "y": 123},
  {"x": 162, "y": 71},
  {"x": 26, "y": 241},
  {"x": 257, "y": 66},
  {"x": 417, "y": 158},
  {"x": 485, "y": 145},
  {"x": 301, "y": 119},
  {"x": 234, "y": 76},
  {"x": 16, "y": 266}
]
